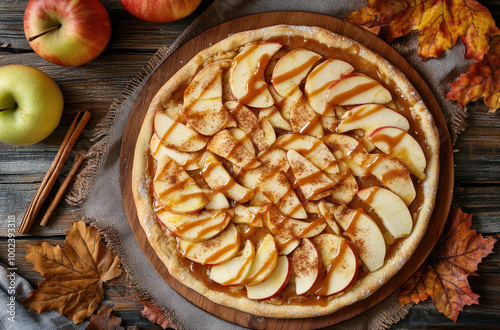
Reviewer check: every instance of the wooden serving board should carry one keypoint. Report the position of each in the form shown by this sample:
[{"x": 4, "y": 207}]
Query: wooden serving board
[{"x": 209, "y": 37}]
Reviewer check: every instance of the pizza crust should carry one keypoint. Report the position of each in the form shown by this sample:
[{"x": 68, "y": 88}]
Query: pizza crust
[{"x": 164, "y": 243}]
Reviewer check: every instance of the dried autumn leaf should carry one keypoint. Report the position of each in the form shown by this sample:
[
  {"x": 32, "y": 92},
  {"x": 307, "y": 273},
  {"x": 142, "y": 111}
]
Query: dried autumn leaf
[
  {"x": 74, "y": 274},
  {"x": 439, "y": 24},
  {"x": 105, "y": 319},
  {"x": 156, "y": 315},
  {"x": 482, "y": 80},
  {"x": 444, "y": 276}
]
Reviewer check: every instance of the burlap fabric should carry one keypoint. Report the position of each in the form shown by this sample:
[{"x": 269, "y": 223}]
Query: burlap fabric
[{"x": 102, "y": 200}]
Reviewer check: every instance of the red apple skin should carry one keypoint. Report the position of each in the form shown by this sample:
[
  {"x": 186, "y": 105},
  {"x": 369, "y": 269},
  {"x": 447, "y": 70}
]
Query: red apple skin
[
  {"x": 284, "y": 283},
  {"x": 380, "y": 128},
  {"x": 160, "y": 11},
  {"x": 84, "y": 32}
]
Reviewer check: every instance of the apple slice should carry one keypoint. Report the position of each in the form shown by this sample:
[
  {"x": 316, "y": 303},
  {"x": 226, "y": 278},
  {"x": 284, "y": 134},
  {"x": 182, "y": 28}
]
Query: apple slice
[
  {"x": 313, "y": 182},
  {"x": 246, "y": 76},
  {"x": 274, "y": 159},
  {"x": 261, "y": 132},
  {"x": 390, "y": 208},
  {"x": 275, "y": 186},
  {"x": 266, "y": 259},
  {"x": 401, "y": 145},
  {"x": 311, "y": 148},
  {"x": 274, "y": 284},
  {"x": 326, "y": 209},
  {"x": 304, "y": 120},
  {"x": 364, "y": 233},
  {"x": 357, "y": 88},
  {"x": 348, "y": 150},
  {"x": 186, "y": 159},
  {"x": 390, "y": 172},
  {"x": 369, "y": 117},
  {"x": 203, "y": 108},
  {"x": 242, "y": 138},
  {"x": 286, "y": 245},
  {"x": 306, "y": 266},
  {"x": 176, "y": 189},
  {"x": 340, "y": 263},
  {"x": 234, "y": 271},
  {"x": 291, "y": 69},
  {"x": 194, "y": 227},
  {"x": 275, "y": 118},
  {"x": 318, "y": 81},
  {"x": 224, "y": 145},
  {"x": 214, "y": 251},
  {"x": 176, "y": 135},
  {"x": 249, "y": 215},
  {"x": 287, "y": 227},
  {"x": 216, "y": 176},
  {"x": 346, "y": 185},
  {"x": 217, "y": 201}
]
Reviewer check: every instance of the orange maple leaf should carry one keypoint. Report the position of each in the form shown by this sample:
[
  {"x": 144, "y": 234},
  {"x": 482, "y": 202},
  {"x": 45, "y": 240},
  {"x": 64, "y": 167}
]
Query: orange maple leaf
[
  {"x": 482, "y": 80},
  {"x": 73, "y": 275},
  {"x": 439, "y": 24},
  {"x": 444, "y": 275}
]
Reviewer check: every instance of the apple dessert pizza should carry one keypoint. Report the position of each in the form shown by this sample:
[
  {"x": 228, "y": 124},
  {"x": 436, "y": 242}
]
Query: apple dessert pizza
[{"x": 286, "y": 172}]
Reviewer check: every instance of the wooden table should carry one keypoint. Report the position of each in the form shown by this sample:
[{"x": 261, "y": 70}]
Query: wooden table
[{"x": 132, "y": 43}]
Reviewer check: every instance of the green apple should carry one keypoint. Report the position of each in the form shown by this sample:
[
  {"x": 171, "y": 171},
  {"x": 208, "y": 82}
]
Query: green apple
[{"x": 31, "y": 105}]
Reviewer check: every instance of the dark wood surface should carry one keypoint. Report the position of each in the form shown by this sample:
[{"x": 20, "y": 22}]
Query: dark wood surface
[{"x": 133, "y": 42}]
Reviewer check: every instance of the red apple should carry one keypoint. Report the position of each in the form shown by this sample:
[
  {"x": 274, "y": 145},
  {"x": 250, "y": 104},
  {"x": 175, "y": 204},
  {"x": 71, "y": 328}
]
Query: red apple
[
  {"x": 67, "y": 32},
  {"x": 160, "y": 11}
]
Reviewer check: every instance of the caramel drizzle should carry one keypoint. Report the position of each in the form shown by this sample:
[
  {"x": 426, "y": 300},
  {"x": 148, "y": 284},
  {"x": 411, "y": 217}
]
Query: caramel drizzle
[
  {"x": 342, "y": 97},
  {"x": 312, "y": 225},
  {"x": 239, "y": 274},
  {"x": 323, "y": 285},
  {"x": 172, "y": 188},
  {"x": 163, "y": 139},
  {"x": 349, "y": 229},
  {"x": 263, "y": 268},
  {"x": 355, "y": 116},
  {"x": 274, "y": 110},
  {"x": 369, "y": 199},
  {"x": 218, "y": 254},
  {"x": 295, "y": 71},
  {"x": 391, "y": 141},
  {"x": 370, "y": 166},
  {"x": 254, "y": 91},
  {"x": 195, "y": 159},
  {"x": 284, "y": 244},
  {"x": 203, "y": 222},
  {"x": 320, "y": 89},
  {"x": 311, "y": 125},
  {"x": 205, "y": 89}
]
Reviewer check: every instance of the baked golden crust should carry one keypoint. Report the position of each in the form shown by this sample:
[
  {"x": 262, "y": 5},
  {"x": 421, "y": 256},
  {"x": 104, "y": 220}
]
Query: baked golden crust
[{"x": 164, "y": 242}]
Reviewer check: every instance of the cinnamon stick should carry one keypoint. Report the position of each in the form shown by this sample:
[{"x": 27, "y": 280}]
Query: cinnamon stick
[
  {"x": 50, "y": 178},
  {"x": 62, "y": 189}
]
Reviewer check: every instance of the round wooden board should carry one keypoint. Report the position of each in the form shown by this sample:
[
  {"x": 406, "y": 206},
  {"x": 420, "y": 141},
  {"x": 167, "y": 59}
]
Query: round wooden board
[{"x": 209, "y": 37}]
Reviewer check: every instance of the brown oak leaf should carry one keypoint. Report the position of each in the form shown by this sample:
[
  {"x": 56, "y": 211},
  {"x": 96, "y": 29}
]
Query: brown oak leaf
[
  {"x": 443, "y": 276},
  {"x": 482, "y": 80},
  {"x": 105, "y": 319},
  {"x": 156, "y": 315},
  {"x": 439, "y": 24},
  {"x": 73, "y": 275}
]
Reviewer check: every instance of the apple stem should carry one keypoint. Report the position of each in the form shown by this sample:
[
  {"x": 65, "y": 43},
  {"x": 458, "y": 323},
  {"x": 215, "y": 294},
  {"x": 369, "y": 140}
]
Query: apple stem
[
  {"x": 5, "y": 109},
  {"x": 44, "y": 32}
]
